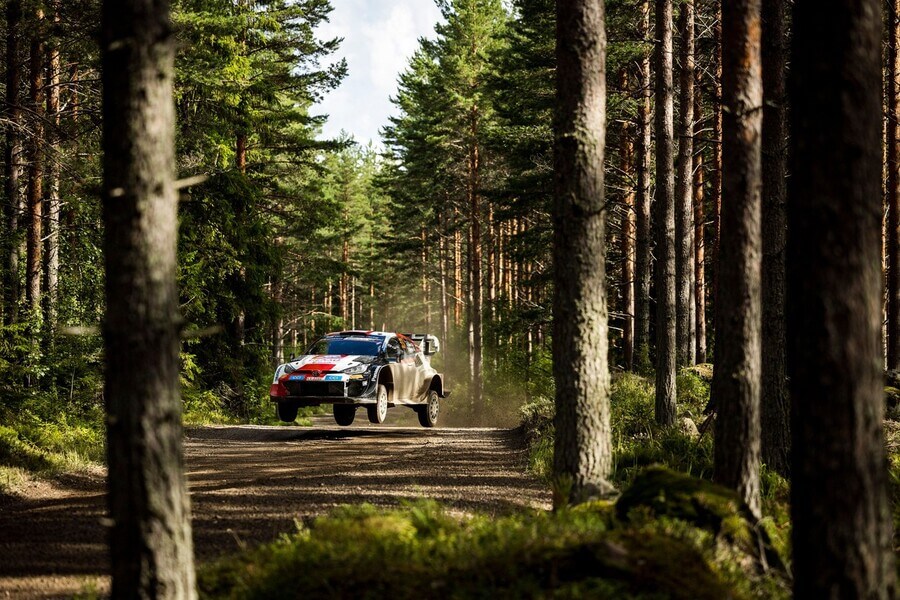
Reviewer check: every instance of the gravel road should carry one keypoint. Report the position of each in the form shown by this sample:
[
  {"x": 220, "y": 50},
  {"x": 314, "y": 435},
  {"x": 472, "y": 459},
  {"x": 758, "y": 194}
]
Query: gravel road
[{"x": 249, "y": 484}]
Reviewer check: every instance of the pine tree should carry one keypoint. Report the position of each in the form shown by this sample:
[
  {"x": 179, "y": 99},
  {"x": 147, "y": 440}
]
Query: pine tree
[
  {"x": 842, "y": 542},
  {"x": 150, "y": 542},
  {"x": 664, "y": 203},
  {"x": 582, "y": 453},
  {"x": 736, "y": 380}
]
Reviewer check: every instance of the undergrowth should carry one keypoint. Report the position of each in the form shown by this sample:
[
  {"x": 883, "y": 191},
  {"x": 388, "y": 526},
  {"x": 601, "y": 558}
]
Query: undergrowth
[
  {"x": 35, "y": 446},
  {"x": 632, "y": 549}
]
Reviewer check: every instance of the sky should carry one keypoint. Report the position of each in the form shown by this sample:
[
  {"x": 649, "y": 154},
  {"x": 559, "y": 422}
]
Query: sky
[{"x": 379, "y": 38}]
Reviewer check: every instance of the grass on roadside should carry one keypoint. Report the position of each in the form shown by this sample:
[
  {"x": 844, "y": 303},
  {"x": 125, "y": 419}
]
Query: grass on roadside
[
  {"x": 672, "y": 537},
  {"x": 32, "y": 446}
]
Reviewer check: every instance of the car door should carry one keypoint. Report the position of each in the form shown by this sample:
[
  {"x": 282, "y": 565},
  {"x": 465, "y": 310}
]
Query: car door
[
  {"x": 408, "y": 370},
  {"x": 416, "y": 373},
  {"x": 395, "y": 355}
]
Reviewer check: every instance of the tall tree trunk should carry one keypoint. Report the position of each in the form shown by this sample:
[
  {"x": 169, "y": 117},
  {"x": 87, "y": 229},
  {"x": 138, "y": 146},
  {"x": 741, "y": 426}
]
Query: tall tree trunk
[
  {"x": 457, "y": 270},
  {"x": 684, "y": 196},
  {"x": 583, "y": 450},
  {"x": 665, "y": 220},
  {"x": 475, "y": 327},
  {"x": 775, "y": 411},
  {"x": 842, "y": 534},
  {"x": 736, "y": 380},
  {"x": 150, "y": 539},
  {"x": 240, "y": 149},
  {"x": 643, "y": 270},
  {"x": 35, "y": 168},
  {"x": 716, "y": 170},
  {"x": 53, "y": 162},
  {"x": 893, "y": 187},
  {"x": 699, "y": 230},
  {"x": 344, "y": 283},
  {"x": 12, "y": 158},
  {"x": 443, "y": 267},
  {"x": 278, "y": 322},
  {"x": 628, "y": 224}
]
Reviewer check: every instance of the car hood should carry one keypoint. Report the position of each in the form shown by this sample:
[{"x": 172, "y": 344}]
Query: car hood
[{"x": 329, "y": 362}]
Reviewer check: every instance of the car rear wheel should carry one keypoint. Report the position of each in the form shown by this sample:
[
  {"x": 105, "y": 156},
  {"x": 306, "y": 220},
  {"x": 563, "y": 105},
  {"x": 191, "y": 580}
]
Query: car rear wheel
[
  {"x": 286, "y": 412},
  {"x": 378, "y": 411},
  {"x": 429, "y": 412},
  {"x": 344, "y": 414}
]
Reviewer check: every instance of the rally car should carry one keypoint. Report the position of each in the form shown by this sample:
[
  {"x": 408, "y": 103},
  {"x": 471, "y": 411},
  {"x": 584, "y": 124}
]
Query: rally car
[{"x": 374, "y": 369}]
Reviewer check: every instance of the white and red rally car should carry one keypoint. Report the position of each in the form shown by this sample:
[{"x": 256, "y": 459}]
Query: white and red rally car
[{"x": 375, "y": 369}]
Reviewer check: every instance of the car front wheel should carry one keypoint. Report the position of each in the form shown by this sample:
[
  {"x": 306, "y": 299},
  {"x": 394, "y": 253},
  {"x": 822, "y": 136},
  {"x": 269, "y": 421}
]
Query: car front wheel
[
  {"x": 344, "y": 414},
  {"x": 286, "y": 412},
  {"x": 429, "y": 412},
  {"x": 378, "y": 411}
]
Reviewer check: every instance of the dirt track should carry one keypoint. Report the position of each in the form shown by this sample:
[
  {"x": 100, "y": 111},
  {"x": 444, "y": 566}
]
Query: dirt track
[{"x": 249, "y": 485}]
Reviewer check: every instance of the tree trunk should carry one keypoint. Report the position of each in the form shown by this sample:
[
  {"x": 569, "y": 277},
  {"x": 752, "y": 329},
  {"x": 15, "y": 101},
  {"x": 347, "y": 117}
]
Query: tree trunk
[
  {"x": 736, "y": 380},
  {"x": 684, "y": 196},
  {"x": 150, "y": 539},
  {"x": 775, "y": 411},
  {"x": 665, "y": 220},
  {"x": 344, "y": 283},
  {"x": 241, "y": 152},
  {"x": 12, "y": 166},
  {"x": 643, "y": 270},
  {"x": 457, "y": 270},
  {"x": 442, "y": 266},
  {"x": 716, "y": 170},
  {"x": 583, "y": 450},
  {"x": 699, "y": 230},
  {"x": 475, "y": 327},
  {"x": 842, "y": 533},
  {"x": 53, "y": 199},
  {"x": 35, "y": 169},
  {"x": 628, "y": 224},
  {"x": 893, "y": 187},
  {"x": 278, "y": 323}
]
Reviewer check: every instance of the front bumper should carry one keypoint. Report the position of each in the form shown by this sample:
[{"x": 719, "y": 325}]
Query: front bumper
[{"x": 305, "y": 390}]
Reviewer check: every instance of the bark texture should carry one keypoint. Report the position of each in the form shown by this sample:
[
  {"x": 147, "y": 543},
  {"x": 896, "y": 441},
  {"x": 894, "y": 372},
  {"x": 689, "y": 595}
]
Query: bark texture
[
  {"x": 642, "y": 265},
  {"x": 628, "y": 224},
  {"x": 775, "y": 411},
  {"x": 736, "y": 380},
  {"x": 685, "y": 308},
  {"x": 12, "y": 158},
  {"x": 150, "y": 539},
  {"x": 53, "y": 176},
  {"x": 841, "y": 517},
  {"x": 892, "y": 186},
  {"x": 699, "y": 229},
  {"x": 665, "y": 220},
  {"x": 716, "y": 170},
  {"x": 583, "y": 451},
  {"x": 35, "y": 194}
]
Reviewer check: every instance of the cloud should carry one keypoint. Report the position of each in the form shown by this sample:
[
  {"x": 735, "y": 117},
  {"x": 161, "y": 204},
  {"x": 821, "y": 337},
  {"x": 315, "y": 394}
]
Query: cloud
[{"x": 379, "y": 38}]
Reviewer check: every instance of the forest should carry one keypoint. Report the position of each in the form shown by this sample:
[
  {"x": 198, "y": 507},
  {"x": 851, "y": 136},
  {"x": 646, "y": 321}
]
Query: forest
[{"x": 659, "y": 241}]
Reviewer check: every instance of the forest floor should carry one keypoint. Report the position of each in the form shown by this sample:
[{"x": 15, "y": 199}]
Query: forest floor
[{"x": 250, "y": 484}]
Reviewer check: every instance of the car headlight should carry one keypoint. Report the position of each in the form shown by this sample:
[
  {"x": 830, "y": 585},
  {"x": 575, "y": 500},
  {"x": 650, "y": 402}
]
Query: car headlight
[
  {"x": 288, "y": 369},
  {"x": 355, "y": 370}
]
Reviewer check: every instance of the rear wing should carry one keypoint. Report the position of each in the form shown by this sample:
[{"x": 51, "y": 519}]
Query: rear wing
[{"x": 427, "y": 342}]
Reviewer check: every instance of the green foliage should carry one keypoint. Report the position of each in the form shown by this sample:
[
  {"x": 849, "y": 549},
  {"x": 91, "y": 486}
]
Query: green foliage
[
  {"x": 32, "y": 445},
  {"x": 423, "y": 551}
]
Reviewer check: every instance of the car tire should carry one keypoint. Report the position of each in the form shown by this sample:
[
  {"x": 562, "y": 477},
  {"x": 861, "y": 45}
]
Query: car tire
[
  {"x": 378, "y": 411},
  {"x": 344, "y": 414},
  {"x": 286, "y": 412},
  {"x": 429, "y": 412}
]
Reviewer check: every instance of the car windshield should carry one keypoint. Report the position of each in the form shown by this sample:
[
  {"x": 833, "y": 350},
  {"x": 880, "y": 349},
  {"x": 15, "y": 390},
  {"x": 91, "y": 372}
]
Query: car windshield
[{"x": 354, "y": 346}]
